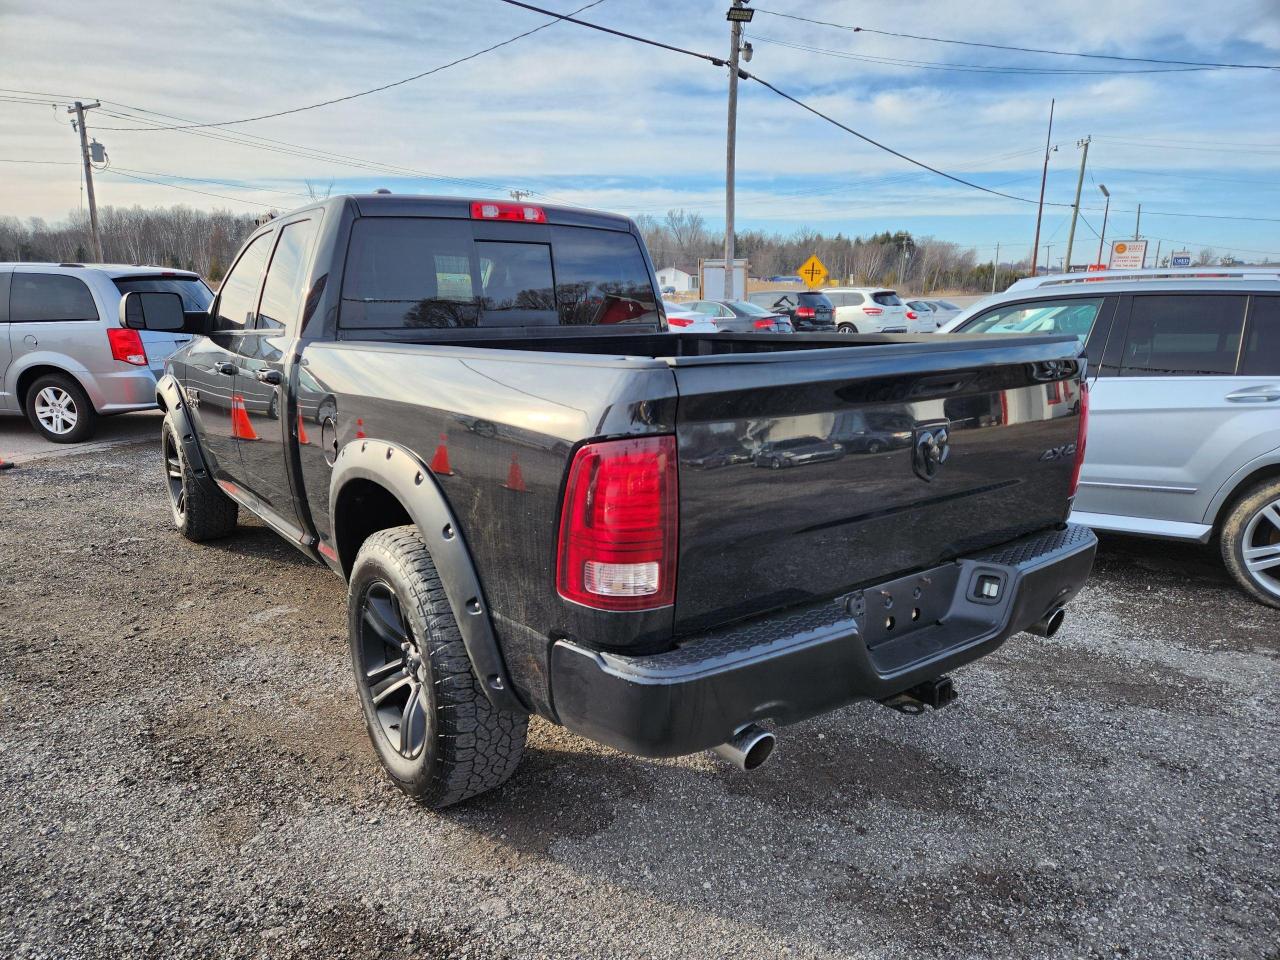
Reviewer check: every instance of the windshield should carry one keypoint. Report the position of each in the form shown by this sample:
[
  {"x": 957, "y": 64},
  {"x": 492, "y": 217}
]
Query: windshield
[
  {"x": 744, "y": 309},
  {"x": 1045, "y": 316},
  {"x": 195, "y": 295}
]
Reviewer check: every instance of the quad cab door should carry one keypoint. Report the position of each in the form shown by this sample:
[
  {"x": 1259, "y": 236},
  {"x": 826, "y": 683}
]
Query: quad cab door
[
  {"x": 1189, "y": 393},
  {"x": 262, "y": 378},
  {"x": 213, "y": 361}
]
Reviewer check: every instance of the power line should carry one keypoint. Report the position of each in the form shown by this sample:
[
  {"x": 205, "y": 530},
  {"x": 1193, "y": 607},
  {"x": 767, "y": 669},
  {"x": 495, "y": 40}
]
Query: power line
[
  {"x": 174, "y": 186},
  {"x": 966, "y": 67},
  {"x": 371, "y": 90},
  {"x": 999, "y": 46}
]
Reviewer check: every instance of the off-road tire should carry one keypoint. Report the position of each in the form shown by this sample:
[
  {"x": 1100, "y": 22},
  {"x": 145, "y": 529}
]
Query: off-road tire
[
  {"x": 86, "y": 416},
  {"x": 199, "y": 509},
  {"x": 1233, "y": 542},
  {"x": 469, "y": 747}
]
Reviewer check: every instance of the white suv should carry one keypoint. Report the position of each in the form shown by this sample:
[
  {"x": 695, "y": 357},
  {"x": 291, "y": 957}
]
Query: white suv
[{"x": 874, "y": 310}]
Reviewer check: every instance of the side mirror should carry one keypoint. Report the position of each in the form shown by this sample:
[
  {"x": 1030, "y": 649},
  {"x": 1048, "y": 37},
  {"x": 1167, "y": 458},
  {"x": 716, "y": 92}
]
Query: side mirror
[{"x": 160, "y": 312}]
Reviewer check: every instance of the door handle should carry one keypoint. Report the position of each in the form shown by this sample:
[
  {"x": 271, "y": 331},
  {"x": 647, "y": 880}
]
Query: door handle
[
  {"x": 270, "y": 376},
  {"x": 1268, "y": 394},
  {"x": 226, "y": 369}
]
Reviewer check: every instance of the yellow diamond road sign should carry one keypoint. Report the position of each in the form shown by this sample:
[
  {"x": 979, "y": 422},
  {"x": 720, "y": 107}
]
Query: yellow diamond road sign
[{"x": 813, "y": 272}]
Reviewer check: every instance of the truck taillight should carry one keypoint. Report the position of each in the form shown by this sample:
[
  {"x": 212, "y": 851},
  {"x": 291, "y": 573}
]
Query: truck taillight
[
  {"x": 1082, "y": 435},
  {"x": 495, "y": 210},
  {"x": 617, "y": 546},
  {"x": 126, "y": 345},
  {"x": 806, "y": 313}
]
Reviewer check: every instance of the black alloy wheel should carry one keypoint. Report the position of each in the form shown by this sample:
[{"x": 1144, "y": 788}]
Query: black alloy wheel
[
  {"x": 173, "y": 477},
  {"x": 392, "y": 669}
]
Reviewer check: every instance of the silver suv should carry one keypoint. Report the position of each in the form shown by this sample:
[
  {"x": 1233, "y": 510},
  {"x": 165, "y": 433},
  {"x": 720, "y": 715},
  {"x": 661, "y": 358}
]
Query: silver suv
[
  {"x": 65, "y": 360},
  {"x": 1184, "y": 402}
]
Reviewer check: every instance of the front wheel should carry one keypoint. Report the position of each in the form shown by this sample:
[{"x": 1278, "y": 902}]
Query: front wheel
[
  {"x": 60, "y": 410},
  {"x": 439, "y": 738},
  {"x": 1251, "y": 543},
  {"x": 200, "y": 510}
]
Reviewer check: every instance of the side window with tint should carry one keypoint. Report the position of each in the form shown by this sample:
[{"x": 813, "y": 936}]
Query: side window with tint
[
  {"x": 238, "y": 294},
  {"x": 282, "y": 293},
  {"x": 44, "y": 297},
  {"x": 1261, "y": 354},
  {"x": 1183, "y": 335}
]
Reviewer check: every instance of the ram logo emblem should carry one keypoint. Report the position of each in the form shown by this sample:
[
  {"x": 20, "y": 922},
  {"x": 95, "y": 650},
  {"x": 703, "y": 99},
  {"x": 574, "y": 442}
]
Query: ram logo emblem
[{"x": 931, "y": 449}]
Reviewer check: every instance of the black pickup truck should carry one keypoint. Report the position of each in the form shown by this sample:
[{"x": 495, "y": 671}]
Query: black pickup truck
[{"x": 544, "y": 502}]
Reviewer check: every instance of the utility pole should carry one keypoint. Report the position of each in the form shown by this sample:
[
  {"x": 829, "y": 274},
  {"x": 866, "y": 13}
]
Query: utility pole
[
  {"x": 902, "y": 270},
  {"x": 79, "y": 110},
  {"x": 738, "y": 14},
  {"x": 1075, "y": 208},
  {"x": 1105, "y": 210},
  {"x": 1156, "y": 261},
  {"x": 995, "y": 268},
  {"x": 1044, "y": 174},
  {"x": 1137, "y": 224},
  {"x": 1048, "y": 264}
]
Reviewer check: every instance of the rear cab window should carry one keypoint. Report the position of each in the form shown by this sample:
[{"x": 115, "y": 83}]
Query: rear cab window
[
  {"x": 49, "y": 297},
  {"x": 417, "y": 272}
]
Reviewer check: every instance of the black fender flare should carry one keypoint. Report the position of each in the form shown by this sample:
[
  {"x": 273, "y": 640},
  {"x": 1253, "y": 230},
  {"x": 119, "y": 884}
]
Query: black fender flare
[
  {"x": 170, "y": 399},
  {"x": 400, "y": 471}
]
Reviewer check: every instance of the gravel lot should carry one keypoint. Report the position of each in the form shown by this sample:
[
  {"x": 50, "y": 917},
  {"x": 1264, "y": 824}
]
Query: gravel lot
[{"x": 184, "y": 773}]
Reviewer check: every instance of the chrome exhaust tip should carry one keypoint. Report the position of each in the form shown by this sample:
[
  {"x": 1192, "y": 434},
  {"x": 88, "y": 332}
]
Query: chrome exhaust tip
[
  {"x": 748, "y": 748},
  {"x": 1050, "y": 625}
]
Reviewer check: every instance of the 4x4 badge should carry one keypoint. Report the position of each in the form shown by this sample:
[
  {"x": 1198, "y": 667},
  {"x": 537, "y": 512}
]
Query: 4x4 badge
[{"x": 931, "y": 448}]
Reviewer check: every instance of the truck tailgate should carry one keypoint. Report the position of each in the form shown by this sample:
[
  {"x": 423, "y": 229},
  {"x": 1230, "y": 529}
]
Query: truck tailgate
[{"x": 807, "y": 474}]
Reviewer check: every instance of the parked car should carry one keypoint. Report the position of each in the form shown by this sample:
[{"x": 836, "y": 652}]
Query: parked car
[
  {"x": 1184, "y": 381},
  {"x": 943, "y": 311},
  {"x": 682, "y": 319},
  {"x": 795, "y": 451},
  {"x": 739, "y": 316},
  {"x": 64, "y": 359},
  {"x": 808, "y": 310},
  {"x": 587, "y": 573},
  {"x": 873, "y": 310}
]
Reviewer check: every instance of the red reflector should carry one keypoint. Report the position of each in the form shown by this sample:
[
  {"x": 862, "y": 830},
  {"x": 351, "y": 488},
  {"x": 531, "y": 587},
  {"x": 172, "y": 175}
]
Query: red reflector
[
  {"x": 872, "y": 311},
  {"x": 807, "y": 313},
  {"x": 617, "y": 547},
  {"x": 1082, "y": 435},
  {"x": 126, "y": 345},
  {"x": 680, "y": 321},
  {"x": 496, "y": 210}
]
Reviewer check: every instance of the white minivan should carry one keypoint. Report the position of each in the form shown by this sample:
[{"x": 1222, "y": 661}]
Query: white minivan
[
  {"x": 65, "y": 360},
  {"x": 873, "y": 310}
]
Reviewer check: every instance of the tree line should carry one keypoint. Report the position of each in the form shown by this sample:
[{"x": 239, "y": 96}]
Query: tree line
[
  {"x": 206, "y": 242},
  {"x": 178, "y": 237},
  {"x": 918, "y": 264}
]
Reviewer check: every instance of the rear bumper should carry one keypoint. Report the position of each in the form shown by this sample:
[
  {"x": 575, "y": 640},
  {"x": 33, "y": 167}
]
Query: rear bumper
[{"x": 811, "y": 660}]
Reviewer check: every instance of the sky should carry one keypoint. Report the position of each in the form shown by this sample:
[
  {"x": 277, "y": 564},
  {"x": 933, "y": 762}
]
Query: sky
[{"x": 583, "y": 118}]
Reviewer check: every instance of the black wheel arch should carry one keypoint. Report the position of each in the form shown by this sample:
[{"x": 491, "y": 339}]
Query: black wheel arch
[{"x": 377, "y": 484}]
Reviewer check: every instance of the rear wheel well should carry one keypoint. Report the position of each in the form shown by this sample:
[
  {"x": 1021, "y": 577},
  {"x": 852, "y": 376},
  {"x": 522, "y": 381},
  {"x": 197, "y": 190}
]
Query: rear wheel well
[
  {"x": 31, "y": 374},
  {"x": 362, "y": 509},
  {"x": 1241, "y": 490}
]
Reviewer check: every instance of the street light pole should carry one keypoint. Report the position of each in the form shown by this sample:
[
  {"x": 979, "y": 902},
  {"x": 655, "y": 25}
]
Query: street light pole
[{"x": 1105, "y": 210}]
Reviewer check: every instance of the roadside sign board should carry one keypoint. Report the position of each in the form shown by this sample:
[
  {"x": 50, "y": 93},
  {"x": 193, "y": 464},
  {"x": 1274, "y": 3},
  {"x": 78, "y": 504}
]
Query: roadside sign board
[
  {"x": 814, "y": 271},
  {"x": 1180, "y": 258},
  {"x": 1128, "y": 255}
]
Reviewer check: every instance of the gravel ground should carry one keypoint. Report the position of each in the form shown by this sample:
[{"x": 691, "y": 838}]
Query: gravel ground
[{"x": 184, "y": 773}]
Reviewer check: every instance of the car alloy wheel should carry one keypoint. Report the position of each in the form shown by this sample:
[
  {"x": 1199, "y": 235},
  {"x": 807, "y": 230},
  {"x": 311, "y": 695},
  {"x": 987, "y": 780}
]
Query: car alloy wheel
[
  {"x": 393, "y": 669},
  {"x": 1260, "y": 547},
  {"x": 173, "y": 476},
  {"x": 56, "y": 410}
]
